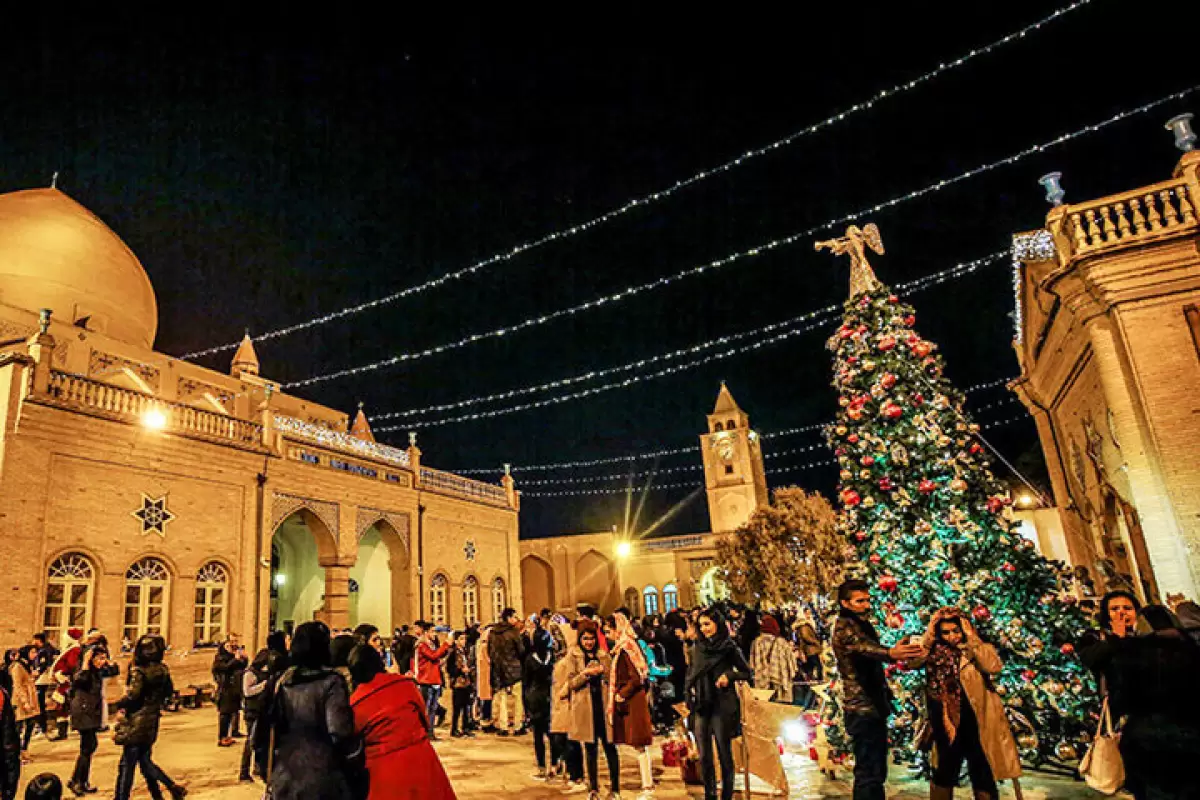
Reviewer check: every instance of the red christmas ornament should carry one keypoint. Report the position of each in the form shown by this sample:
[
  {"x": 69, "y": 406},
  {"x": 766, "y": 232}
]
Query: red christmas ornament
[
  {"x": 926, "y": 486},
  {"x": 851, "y": 359},
  {"x": 852, "y": 438},
  {"x": 887, "y": 381},
  {"x": 918, "y": 399},
  {"x": 975, "y": 449},
  {"x": 1007, "y": 566},
  {"x": 1029, "y": 675},
  {"x": 887, "y": 343},
  {"x": 845, "y": 332},
  {"x": 858, "y": 401},
  {"x": 874, "y": 558},
  {"x": 893, "y": 299},
  {"x": 854, "y": 413},
  {"x": 895, "y": 621},
  {"x": 995, "y": 504},
  {"x": 910, "y": 320},
  {"x": 867, "y": 461},
  {"x": 860, "y": 536},
  {"x": 886, "y": 485},
  {"x": 922, "y": 349},
  {"x": 888, "y": 583},
  {"x": 1067, "y": 649},
  {"x": 981, "y": 613},
  {"x": 851, "y": 498},
  {"x": 891, "y": 411},
  {"x": 841, "y": 451}
]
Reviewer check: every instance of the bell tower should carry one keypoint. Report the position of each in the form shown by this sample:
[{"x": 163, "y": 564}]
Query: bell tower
[{"x": 733, "y": 465}]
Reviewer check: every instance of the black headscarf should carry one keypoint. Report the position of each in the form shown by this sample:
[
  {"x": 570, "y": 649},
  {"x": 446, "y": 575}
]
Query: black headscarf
[
  {"x": 277, "y": 641},
  {"x": 710, "y": 651},
  {"x": 340, "y": 647},
  {"x": 365, "y": 663}
]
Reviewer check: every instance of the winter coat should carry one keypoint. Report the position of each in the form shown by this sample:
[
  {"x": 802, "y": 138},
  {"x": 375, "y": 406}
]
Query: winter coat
[
  {"x": 536, "y": 683},
  {"x": 810, "y": 643},
  {"x": 506, "y": 653},
  {"x": 87, "y": 697},
  {"x": 1152, "y": 683},
  {"x": 774, "y": 664},
  {"x": 64, "y": 668},
  {"x": 146, "y": 690},
  {"x": 403, "y": 650},
  {"x": 10, "y": 749},
  {"x": 483, "y": 670},
  {"x": 860, "y": 660},
  {"x": 266, "y": 668},
  {"x": 712, "y": 659},
  {"x": 560, "y": 697},
  {"x": 24, "y": 695},
  {"x": 429, "y": 663},
  {"x": 978, "y": 661},
  {"x": 227, "y": 672},
  {"x": 389, "y": 715},
  {"x": 631, "y": 717},
  {"x": 317, "y": 754},
  {"x": 676, "y": 658},
  {"x": 460, "y": 667},
  {"x": 581, "y": 727}
]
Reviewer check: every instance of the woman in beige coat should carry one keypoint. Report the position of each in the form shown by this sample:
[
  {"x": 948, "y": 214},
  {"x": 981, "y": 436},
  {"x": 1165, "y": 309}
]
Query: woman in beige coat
[
  {"x": 966, "y": 716},
  {"x": 587, "y": 675},
  {"x": 566, "y": 755},
  {"x": 24, "y": 693}
]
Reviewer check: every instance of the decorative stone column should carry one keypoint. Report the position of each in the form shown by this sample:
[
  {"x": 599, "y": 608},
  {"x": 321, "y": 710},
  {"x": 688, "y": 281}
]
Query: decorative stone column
[{"x": 336, "y": 612}]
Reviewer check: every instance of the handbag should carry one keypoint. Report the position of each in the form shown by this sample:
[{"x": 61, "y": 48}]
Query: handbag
[
  {"x": 122, "y": 730},
  {"x": 1102, "y": 767}
]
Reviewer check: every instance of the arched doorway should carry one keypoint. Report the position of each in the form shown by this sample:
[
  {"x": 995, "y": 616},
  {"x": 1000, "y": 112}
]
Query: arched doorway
[
  {"x": 537, "y": 584},
  {"x": 299, "y": 546},
  {"x": 710, "y": 588},
  {"x": 381, "y": 574},
  {"x": 594, "y": 581}
]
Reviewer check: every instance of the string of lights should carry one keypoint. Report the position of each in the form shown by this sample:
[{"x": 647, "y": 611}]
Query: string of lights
[
  {"x": 905, "y": 288},
  {"x": 653, "y": 197},
  {"x": 596, "y": 462},
  {"x": 752, "y": 252},
  {"x": 693, "y": 485}
]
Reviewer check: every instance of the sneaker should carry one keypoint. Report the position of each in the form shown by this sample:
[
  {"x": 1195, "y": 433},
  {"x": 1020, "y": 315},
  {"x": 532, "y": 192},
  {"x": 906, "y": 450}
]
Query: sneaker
[
  {"x": 178, "y": 792},
  {"x": 578, "y": 787},
  {"x": 75, "y": 789}
]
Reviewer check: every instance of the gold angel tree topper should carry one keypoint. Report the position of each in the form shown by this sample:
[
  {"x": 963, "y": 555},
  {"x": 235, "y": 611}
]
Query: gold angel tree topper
[{"x": 855, "y": 242}]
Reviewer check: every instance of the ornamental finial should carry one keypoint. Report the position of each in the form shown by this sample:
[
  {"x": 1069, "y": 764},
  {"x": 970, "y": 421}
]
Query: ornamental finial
[{"x": 855, "y": 242}]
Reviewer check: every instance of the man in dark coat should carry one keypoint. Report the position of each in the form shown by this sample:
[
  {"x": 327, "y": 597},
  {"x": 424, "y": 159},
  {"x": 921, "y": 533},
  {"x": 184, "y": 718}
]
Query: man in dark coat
[
  {"x": 868, "y": 701},
  {"x": 10, "y": 741},
  {"x": 404, "y": 646},
  {"x": 506, "y": 653},
  {"x": 148, "y": 687},
  {"x": 228, "y": 665},
  {"x": 46, "y": 654},
  {"x": 87, "y": 712},
  {"x": 258, "y": 689}
]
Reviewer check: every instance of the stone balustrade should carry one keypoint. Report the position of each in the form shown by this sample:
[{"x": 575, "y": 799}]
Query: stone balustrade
[
  {"x": 77, "y": 393},
  {"x": 1161, "y": 210},
  {"x": 435, "y": 480}
]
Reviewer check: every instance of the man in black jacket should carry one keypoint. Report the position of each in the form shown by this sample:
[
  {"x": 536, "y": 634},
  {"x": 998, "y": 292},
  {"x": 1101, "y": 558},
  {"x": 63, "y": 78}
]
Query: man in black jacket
[
  {"x": 228, "y": 665},
  {"x": 867, "y": 702},
  {"x": 404, "y": 646},
  {"x": 506, "y": 652}
]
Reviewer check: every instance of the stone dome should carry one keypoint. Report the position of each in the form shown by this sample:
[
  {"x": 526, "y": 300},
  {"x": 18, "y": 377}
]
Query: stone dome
[{"x": 56, "y": 254}]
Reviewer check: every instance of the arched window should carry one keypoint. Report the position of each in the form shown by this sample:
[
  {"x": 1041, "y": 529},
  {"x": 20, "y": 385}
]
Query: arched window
[
  {"x": 670, "y": 598},
  {"x": 499, "y": 598},
  {"x": 437, "y": 600},
  {"x": 68, "y": 595},
  {"x": 470, "y": 600},
  {"x": 147, "y": 588},
  {"x": 650, "y": 599},
  {"x": 730, "y": 425},
  {"x": 718, "y": 427},
  {"x": 631, "y": 601},
  {"x": 211, "y": 587}
]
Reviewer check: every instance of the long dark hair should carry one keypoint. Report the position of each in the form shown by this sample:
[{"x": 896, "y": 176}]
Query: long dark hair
[
  {"x": 365, "y": 663},
  {"x": 310, "y": 645},
  {"x": 149, "y": 650},
  {"x": 718, "y": 619}
]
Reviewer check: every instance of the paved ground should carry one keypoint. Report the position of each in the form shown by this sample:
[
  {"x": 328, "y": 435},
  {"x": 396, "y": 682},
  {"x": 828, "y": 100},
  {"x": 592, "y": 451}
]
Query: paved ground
[{"x": 486, "y": 767}]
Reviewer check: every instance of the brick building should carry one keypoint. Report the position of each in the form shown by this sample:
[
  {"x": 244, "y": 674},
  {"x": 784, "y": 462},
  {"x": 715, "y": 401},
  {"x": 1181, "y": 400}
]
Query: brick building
[
  {"x": 653, "y": 574},
  {"x": 1108, "y": 342},
  {"x": 139, "y": 492}
]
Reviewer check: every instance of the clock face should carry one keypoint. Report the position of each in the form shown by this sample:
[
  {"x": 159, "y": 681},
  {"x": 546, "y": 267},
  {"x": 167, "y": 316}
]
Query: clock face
[{"x": 723, "y": 444}]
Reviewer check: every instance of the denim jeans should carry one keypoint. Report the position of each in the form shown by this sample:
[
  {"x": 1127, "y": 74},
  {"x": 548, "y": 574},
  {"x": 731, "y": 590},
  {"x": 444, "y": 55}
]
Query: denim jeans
[
  {"x": 716, "y": 729},
  {"x": 432, "y": 694},
  {"x": 868, "y": 738},
  {"x": 137, "y": 756}
]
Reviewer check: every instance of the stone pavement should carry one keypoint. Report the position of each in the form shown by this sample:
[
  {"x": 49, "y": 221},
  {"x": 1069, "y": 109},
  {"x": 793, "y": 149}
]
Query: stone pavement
[{"x": 485, "y": 767}]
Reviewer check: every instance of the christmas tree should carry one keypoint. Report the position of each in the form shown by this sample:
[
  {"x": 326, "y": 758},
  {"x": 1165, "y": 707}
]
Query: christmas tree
[{"x": 933, "y": 526}]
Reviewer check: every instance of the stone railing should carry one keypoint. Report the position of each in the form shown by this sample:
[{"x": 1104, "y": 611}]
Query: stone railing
[
  {"x": 448, "y": 483},
  {"x": 671, "y": 543},
  {"x": 339, "y": 440},
  {"x": 88, "y": 396},
  {"x": 1153, "y": 212}
]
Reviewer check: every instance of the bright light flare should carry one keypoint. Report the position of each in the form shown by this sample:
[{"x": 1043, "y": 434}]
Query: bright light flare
[
  {"x": 1025, "y": 500},
  {"x": 795, "y": 732},
  {"x": 280, "y": 579},
  {"x": 624, "y": 549},
  {"x": 154, "y": 419}
]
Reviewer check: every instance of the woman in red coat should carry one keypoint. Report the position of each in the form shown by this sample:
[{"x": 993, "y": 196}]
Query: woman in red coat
[{"x": 389, "y": 714}]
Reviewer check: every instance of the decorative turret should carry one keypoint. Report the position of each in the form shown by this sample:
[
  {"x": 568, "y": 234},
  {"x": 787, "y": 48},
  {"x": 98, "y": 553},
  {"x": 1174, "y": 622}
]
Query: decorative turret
[
  {"x": 361, "y": 429},
  {"x": 733, "y": 465},
  {"x": 245, "y": 360}
]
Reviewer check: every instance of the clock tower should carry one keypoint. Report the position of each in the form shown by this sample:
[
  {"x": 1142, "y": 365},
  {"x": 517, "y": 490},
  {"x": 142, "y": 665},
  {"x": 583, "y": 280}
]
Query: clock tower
[{"x": 733, "y": 466}]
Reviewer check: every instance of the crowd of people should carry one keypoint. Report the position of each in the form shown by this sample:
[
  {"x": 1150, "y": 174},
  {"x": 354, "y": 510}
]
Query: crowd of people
[{"x": 348, "y": 715}]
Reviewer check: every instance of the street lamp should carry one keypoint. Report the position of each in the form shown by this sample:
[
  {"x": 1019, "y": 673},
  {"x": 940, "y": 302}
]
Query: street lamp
[
  {"x": 624, "y": 549},
  {"x": 154, "y": 419},
  {"x": 1025, "y": 500}
]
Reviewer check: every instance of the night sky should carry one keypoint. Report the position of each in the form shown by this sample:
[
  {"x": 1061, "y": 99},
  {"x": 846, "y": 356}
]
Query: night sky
[{"x": 265, "y": 177}]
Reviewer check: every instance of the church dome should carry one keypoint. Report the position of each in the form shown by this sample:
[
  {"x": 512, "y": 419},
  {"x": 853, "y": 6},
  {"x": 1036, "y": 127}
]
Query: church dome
[{"x": 56, "y": 254}]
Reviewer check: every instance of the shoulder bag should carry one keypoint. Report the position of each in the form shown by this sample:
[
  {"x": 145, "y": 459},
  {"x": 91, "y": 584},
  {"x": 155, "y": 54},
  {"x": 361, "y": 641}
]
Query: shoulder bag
[{"x": 1102, "y": 767}]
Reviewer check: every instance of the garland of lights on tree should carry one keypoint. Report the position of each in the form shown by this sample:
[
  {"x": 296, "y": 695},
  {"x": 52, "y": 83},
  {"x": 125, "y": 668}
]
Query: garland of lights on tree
[{"x": 932, "y": 526}]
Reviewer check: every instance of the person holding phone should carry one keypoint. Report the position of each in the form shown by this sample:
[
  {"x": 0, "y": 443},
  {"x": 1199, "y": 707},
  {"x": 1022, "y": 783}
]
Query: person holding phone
[{"x": 587, "y": 678}]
